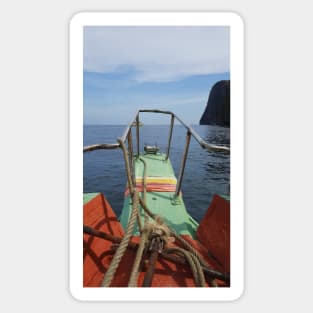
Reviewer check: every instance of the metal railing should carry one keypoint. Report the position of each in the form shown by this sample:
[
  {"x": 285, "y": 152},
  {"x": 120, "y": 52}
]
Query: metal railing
[{"x": 135, "y": 122}]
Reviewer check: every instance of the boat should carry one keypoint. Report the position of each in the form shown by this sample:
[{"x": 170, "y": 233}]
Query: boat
[{"x": 154, "y": 242}]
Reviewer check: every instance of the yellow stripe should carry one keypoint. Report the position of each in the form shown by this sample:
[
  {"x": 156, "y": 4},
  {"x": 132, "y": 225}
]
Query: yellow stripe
[{"x": 164, "y": 180}]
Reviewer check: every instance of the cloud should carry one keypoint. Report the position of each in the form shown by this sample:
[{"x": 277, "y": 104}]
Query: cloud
[{"x": 157, "y": 54}]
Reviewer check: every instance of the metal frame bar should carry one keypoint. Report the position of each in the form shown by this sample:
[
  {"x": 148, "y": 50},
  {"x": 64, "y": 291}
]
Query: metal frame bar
[
  {"x": 170, "y": 137},
  {"x": 137, "y": 134},
  {"x": 183, "y": 164},
  {"x": 194, "y": 134},
  {"x": 130, "y": 150},
  {"x": 104, "y": 146},
  {"x": 127, "y": 135}
]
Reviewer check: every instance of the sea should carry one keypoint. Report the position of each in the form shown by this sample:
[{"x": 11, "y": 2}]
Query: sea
[{"x": 206, "y": 172}]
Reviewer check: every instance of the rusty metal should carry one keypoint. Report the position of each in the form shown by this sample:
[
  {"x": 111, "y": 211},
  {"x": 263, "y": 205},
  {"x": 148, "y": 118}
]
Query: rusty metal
[
  {"x": 193, "y": 133},
  {"x": 100, "y": 234},
  {"x": 155, "y": 111},
  {"x": 156, "y": 246},
  {"x": 97, "y": 233},
  {"x": 130, "y": 150},
  {"x": 208, "y": 272},
  {"x": 121, "y": 144},
  {"x": 183, "y": 164},
  {"x": 105, "y": 146},
  {"x": 137, "y": 134},
  {"x": 147, "y": 282},
  {"x": 170, "y": 137},
  {"x": 127, "y": 129}
]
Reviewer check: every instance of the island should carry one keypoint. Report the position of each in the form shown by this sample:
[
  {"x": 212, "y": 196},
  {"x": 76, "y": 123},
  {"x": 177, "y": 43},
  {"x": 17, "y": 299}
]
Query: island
[{"x": 217, "y": 111}]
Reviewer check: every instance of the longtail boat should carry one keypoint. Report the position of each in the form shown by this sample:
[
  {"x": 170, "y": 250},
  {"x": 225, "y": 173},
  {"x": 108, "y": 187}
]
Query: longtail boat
[{"x": 154, "y": 242}]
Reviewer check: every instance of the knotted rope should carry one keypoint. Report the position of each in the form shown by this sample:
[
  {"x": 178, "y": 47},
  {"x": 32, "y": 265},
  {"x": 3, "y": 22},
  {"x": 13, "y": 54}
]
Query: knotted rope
[
  {"x": 151, "y": 230},
  {"x": 159, "y": 227}
]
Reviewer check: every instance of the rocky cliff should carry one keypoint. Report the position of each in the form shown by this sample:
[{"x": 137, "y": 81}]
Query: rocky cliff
[{"x": 217, "y": 111}]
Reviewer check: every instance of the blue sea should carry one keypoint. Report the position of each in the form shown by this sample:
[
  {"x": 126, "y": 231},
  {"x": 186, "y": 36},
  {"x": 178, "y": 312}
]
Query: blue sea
[{"x": 206, "y": 172}]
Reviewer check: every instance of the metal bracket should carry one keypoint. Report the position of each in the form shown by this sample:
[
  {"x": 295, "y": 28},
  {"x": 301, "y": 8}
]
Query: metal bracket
[{"x": 176, "y": 200}]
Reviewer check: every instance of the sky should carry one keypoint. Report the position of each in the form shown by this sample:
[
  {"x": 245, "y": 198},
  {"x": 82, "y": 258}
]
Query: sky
[{"x": 170, "y": 68}]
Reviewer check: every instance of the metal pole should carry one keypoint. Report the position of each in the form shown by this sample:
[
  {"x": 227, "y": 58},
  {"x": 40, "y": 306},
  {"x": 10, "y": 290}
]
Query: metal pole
[
  {"x": 203, "y": 144},
  {"x": 182, "y": 168},
  {"x": 130, "y": 149},
  {"x": 170, "y": 137},
  {"x": 131, "y": 123},
  {"x": 147, "y": 282},
  {"x": 137, "y": 133},
  {"x": 101, "y": 146}
]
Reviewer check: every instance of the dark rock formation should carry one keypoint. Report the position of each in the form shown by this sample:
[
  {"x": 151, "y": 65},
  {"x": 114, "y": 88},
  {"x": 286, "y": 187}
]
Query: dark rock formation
[{"x": 217, "y": 111}]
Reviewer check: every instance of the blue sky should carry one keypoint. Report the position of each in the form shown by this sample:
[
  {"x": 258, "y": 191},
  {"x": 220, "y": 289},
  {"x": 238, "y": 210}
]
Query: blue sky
[{"x": 172, "y": 68}]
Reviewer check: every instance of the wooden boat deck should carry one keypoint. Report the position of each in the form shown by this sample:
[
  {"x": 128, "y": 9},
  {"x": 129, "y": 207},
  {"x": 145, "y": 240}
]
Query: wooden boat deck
[{"x": 98, "y": 253}]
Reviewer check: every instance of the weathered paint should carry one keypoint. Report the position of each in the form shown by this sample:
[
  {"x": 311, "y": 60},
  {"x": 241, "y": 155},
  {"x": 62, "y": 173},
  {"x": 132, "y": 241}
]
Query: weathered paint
[
  {"x": 98, "y": 253},
  {"x": 214, "y": 231},
  {"x": 165, "y": 204},
  {"x": 90, "y": 196},
  {"x": 211, "y": 239}
]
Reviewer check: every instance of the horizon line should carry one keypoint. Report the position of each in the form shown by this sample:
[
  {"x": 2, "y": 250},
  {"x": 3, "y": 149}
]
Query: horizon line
[{"x": 147, "y": 124}]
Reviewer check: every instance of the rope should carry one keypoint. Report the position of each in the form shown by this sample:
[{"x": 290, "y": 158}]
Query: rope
[
  {"x": 144, "y": 185},
  {"x": 195, "y": 265},
  {"x": 177, "y": 236},
  {"x": 199, "y": 271},
  {"x": 109, "y": 275},
  {"x": 135, "y": 271},
  {"x": 194, "y": 259},
  {"x": 146, "y": 209},
  {"x": 144, "y": 195},
  {"x": 196, "y": 256},
  {"x": 190, "y": 248},
  {"x": 144, "y": 177},
  {"x": 129, "y": 178},
  {"x": 139, "y": 221},
  {"x": 190, "y": 261},
  {"x": 131, "y": 245},
  {"x": 151, "y": 230},
  {"x": 159, "y": 227}
]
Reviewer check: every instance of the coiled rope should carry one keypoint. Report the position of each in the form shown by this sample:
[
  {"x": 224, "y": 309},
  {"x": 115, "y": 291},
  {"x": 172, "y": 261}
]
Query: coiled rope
[
  {"x": 193, "y": 263},
  {"x": 185, "y": 243},
  {"x": 195, "y": 260}
]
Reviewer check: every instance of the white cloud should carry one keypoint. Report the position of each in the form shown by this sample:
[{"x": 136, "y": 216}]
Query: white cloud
[{"x": 157, "y": 53}]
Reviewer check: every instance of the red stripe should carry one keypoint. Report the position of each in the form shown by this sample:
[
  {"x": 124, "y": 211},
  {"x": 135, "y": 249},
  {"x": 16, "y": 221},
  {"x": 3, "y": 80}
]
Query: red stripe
[{"x": 150, "y": 188}]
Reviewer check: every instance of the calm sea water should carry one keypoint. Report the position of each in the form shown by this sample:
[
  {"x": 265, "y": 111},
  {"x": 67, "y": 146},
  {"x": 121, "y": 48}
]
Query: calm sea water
[{"x": 206, "y": 172}]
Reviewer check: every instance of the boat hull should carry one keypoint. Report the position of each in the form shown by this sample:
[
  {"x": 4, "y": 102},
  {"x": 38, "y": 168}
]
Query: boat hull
[{"x": 98, "y": 253}]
